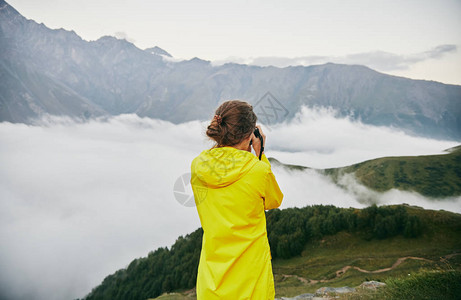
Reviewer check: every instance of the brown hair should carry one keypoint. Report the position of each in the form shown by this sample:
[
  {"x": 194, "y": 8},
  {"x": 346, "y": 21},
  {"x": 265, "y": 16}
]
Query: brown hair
[{"x": 234, "y": 121}]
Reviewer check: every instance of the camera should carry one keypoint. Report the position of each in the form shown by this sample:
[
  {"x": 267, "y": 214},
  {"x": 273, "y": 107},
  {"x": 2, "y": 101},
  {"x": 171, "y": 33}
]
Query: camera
[{"x": 258, "y": 135}]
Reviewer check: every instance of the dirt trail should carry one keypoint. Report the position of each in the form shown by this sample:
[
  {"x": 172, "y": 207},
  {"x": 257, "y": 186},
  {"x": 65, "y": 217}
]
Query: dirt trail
[
  {"x": 302, "y": 279},
  {"x": 398, "y": 262},
  {"x": 344, "y": 269}
]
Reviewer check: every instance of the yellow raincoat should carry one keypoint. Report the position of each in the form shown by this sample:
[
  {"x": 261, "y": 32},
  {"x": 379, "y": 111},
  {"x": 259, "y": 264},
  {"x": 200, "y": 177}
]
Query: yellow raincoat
[{"x": 232, "y": 188}]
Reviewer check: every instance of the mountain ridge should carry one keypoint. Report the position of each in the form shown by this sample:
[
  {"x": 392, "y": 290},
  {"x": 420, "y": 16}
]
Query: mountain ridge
[
  {"x": 434, "y": 176},
  {"x": 112, "y": 76}
]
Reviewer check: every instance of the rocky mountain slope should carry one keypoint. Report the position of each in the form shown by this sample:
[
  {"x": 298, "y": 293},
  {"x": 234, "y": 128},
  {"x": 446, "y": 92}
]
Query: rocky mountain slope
[{"x": 56, "y": 72}]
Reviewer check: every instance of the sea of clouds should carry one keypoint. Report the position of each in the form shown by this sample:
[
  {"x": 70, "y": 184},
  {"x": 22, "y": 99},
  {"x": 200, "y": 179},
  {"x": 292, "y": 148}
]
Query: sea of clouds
[{"x": 79, "y": 200}]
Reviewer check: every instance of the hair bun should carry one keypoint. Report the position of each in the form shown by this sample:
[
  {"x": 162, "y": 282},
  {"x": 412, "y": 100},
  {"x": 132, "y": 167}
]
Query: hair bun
[
  {"x": 218, "y": 119},
  {"x": 240, "y": 123}
]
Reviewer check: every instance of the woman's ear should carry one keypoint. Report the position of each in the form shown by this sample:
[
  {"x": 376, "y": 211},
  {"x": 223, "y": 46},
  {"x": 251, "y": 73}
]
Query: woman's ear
[
  {"x": 248, "y": 142},
  {"x": 250, "y": 138}
]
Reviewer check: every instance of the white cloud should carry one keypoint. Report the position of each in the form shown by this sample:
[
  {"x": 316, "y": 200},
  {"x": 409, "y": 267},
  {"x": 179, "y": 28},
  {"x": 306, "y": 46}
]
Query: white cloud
[
  {"x": 377, "y": 60},
  {"x": 317, "y": 138},
  {"x": 81, "y": 200},
  {"x": 124, "y": 36},
  {"x": 310, "y": 187},
  {"x": 301, "y": 188}
]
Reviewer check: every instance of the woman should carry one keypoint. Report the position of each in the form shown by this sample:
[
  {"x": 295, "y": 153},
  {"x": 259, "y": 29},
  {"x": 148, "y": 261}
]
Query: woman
[{"x": 232, "y": 189}]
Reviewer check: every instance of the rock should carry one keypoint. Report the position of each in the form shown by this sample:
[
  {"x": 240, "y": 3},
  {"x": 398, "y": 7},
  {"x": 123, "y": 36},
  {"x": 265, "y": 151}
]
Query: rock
[
  {"x": 330, "y": 290},
  {"x": 306, "y": 296},
  {"x": 327, "y": 292},
  {"x": 372, "y": 284}
]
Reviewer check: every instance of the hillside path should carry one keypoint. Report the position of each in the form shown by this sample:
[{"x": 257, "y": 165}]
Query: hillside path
[{"x": 344, "y": 269}]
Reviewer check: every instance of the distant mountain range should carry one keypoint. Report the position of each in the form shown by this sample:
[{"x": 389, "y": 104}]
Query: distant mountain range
[{"x": 45, "y": 71}]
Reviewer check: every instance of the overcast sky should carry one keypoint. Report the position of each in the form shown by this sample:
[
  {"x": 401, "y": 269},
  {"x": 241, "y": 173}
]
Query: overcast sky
[{"x": 418, "y": 39}]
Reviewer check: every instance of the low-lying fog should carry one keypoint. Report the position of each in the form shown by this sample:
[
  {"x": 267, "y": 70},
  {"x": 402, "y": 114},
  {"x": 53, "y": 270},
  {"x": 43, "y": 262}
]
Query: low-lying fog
[{"x": 80, "y": 200}]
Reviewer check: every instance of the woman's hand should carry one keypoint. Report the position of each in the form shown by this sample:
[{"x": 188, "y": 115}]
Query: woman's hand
[{"x": 256, "y": 142}]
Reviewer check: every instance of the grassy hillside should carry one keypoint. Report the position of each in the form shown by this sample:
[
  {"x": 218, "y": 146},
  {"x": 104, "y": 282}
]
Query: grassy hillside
[
  {"x": 311, "y": 247},
  {"x": 425, "y": 265},
  {"x": 435, "y": 176},
  {"x": 431, "y": 175},
  {"x": 433, "y": 285},
  {"x": 345, "y": 259}
]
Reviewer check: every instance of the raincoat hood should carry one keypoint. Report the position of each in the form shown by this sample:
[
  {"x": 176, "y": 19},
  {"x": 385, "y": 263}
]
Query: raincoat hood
[{"x": 220, "y": 167}]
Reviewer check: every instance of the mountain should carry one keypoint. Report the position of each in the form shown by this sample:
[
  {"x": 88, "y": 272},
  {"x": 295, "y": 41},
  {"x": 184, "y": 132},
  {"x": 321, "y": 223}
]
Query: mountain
[
  {"x": 158, "y": 51},
  {"x": 57, "y": 72},
  {"x": 310, "y": 247},
  {"x": 434, "y": 176}
]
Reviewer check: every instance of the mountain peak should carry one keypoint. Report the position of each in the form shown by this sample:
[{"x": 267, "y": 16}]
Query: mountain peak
[
  {"x": 158, "y": 51},
  {"x": 199, "y": 61},
  {"x": 111, "y": 40}
]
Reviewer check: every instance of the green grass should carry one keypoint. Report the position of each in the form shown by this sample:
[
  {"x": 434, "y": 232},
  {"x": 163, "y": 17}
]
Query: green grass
[
  {"x": 434, "y": 176},
  {"x": 440, "y": 284},
  {"x": 321, "y": 259}
]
